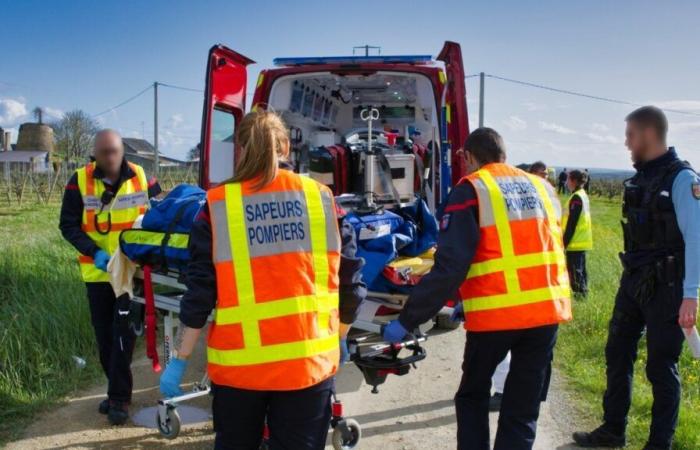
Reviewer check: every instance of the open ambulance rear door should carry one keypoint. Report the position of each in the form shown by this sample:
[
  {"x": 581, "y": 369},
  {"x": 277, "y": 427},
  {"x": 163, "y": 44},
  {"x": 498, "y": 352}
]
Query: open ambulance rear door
[
  {"x": 456, "y": 121},
  {"x": 224, "y": 107}
]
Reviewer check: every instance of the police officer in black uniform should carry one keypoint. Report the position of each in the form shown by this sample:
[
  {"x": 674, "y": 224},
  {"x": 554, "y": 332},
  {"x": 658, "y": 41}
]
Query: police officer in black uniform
[{"x": 659, "y": 286}]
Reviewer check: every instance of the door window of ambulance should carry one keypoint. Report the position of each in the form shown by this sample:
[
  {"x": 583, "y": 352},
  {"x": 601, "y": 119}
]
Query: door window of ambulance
[{"x": 221, "y": 149}]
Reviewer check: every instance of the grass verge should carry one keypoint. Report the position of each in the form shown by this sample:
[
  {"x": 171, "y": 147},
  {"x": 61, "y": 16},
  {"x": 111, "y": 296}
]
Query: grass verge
[
  {"x": 580, "y": 352},
  {"x": 44, "y": 318}
]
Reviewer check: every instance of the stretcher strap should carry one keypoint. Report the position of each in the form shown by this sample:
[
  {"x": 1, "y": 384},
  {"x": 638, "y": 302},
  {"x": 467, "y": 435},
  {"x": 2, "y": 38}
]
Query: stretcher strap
[{"x": 151, "y": 348}]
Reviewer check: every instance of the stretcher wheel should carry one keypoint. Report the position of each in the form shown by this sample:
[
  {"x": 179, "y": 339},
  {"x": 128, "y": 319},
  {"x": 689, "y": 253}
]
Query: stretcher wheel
[
  {"x": 346, "y": 434},
  {"x": 171, "y": 428},
  {"x": 443, "y": 322}
]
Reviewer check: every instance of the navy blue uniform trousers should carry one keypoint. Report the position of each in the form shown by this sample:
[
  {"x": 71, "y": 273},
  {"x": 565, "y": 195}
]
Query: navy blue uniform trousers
[
  {"x": 578, "y": 275},
  {"x": 297, "y": 420},
  {"x": 658, "y": 312},
  {"x": 115, "y": 339},
  {"x": 531, "y": 355}
]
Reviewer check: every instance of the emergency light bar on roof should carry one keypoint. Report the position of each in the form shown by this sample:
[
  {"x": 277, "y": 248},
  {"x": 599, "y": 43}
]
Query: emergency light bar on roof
[{"x": 303, "y": 61}]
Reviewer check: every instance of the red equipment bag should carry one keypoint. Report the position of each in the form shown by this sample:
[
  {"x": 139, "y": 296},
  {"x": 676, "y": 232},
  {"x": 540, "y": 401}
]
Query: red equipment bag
[
  {"x": 341, "y": 168},
  {"x": 150, "y": 322}
]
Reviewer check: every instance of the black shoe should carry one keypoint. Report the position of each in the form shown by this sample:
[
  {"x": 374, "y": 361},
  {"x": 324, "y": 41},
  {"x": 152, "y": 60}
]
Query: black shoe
[
  {"x": 104, "y": 406},
  {"x": 600, "y": 437},
  {"x": 495, "y": 402},
  {"x": 118, "y": 413}
]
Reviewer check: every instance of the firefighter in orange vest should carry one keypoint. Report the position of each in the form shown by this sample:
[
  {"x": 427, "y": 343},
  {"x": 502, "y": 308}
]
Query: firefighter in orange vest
[
  {"x": 102, "y": 199},
  {"x": 500, "y": 248},
  {"x": 268, "y": 258}
]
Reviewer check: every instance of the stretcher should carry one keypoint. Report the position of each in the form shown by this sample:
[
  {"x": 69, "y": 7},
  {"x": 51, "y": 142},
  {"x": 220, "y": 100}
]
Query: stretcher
[{"x": 162, "y": 292}]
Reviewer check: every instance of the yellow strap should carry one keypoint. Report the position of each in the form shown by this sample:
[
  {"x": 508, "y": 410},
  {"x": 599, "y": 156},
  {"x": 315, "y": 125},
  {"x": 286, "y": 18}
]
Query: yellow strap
[
  {"x": 241, "y": 266},
  {"x": 522, "y": 298},
  {"x": 273, "y": 353},
  {"x": 177, "y": 240},
  {"x": 500, "y": 214}
]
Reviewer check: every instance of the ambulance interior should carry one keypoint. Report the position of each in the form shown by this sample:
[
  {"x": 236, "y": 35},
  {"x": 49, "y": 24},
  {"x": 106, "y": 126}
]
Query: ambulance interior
[{"x": 328, "y": 119}]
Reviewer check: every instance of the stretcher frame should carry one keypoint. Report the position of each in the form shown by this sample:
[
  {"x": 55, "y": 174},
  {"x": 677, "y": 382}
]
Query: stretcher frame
[{"x": 346, "y": 431}]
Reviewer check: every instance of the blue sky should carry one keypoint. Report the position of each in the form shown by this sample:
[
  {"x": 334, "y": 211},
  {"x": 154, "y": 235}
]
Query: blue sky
[{"x": 93, "y": 55}]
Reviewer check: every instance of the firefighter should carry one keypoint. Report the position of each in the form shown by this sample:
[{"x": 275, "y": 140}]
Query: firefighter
[
  {"x": 659, "y": 285},
  {"x": 267, "y": 254},
  {"x": 578, "y": 231},
  {"x": 500, "y": 247},
  {"x": 99, "y": 201}
]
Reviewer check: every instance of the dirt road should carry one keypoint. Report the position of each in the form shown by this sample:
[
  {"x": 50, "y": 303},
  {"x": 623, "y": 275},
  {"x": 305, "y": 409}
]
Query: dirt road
[{"x": 410, "y": 412}]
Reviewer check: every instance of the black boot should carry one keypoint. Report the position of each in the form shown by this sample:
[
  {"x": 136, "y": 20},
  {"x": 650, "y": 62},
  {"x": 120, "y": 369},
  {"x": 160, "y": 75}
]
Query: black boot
[
  {"x": 118, "y": 413},
  {"x": 104, "y": 407},
  {"x": 600, "y": 437},
  {"x": 656, "y": 447}
]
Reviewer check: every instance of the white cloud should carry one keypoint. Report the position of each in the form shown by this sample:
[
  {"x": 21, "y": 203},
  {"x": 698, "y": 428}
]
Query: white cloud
[
  {"x": 175, "y": 120},
  {"x": 11, "y": 111},
  {"x": 515, "y": 123},
  {"x": 556, "y": 128},
  {"x": 684, "y": 105},
  {"x": 533, "y": 106},
  {"x": 53, "y": 113},
  {"x": 608, "y": 139},
  {"x": 600, "y": 127}
]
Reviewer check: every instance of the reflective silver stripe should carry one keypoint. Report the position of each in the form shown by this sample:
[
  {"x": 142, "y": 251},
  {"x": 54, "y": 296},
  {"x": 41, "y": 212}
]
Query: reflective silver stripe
[
  {"x": 486, "y": 218},
  {"x": 332, "y": 234},
  {"x": 121, "y": 202},
  {"x": 276, "y": 223},
  {"x": 222, "y": 241}
]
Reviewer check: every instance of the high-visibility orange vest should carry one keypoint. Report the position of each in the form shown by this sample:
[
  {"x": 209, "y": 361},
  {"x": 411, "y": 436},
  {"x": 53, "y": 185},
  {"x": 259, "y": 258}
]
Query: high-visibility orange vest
[
  {"x": 104, "y": 223},
  {"x": 276, "y": 252},
  {"x": 518, "y": 278}
]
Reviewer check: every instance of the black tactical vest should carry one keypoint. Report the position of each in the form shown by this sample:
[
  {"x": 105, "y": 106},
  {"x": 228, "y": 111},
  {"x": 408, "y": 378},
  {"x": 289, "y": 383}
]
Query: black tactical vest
[{"x": 649, "y": 223}]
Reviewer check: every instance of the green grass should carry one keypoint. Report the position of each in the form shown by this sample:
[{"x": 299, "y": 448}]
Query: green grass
[
  {"x": 44, "y": 317},
  {"x": 580, "y": 352}
]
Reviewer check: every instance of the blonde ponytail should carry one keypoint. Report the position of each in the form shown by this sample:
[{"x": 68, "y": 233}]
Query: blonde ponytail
[{"x": 262, "y": 140}]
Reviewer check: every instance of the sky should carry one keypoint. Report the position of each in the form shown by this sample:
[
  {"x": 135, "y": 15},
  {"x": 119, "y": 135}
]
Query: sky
[{"x": 94, "y": 55}]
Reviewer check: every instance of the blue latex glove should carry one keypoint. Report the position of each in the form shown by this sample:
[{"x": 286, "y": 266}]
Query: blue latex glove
[
  {"x": 101, "y": 260},
  {"x": 458, "y": 313},
  {"x": 394, "y": 332},
  {"x": 344, "y": 351},
  {"x": 172, "y": 378}
]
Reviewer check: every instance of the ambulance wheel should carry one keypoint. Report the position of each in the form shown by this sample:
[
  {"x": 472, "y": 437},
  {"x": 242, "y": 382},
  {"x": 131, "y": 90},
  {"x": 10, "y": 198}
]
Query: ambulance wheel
[
  {"x": 341, "y": 442},
  {"x": 443, "y": 322},
  {"x": 171, "y": 429}
]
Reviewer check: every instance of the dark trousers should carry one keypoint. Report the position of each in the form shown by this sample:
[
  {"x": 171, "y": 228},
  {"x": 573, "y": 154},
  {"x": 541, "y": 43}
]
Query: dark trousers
[
  {"x": 656, "y": 308},
  {"x": 115, "y": 339},
  {"x": 531, "y": 354},
  {"x": 578, "y": 275},
  {"x": 297, "y": 420}
]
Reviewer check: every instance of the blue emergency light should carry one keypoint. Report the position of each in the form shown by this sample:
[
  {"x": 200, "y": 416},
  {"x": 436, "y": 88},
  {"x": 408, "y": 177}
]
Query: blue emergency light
[{"x": 305, "y": 61}]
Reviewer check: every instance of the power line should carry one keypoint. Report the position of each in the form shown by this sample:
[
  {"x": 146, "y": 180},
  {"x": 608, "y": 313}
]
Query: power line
[
  {"x": 130, "y": 99},
  {"x": 172, "y": 86},
  {"x": 580, "y": 94}
]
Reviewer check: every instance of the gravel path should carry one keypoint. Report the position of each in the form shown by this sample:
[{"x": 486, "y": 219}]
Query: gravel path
[{"x": 410, "y": 412}]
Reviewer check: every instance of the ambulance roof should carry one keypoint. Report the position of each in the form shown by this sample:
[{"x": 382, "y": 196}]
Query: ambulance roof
[{"x": 312, "y": 60}]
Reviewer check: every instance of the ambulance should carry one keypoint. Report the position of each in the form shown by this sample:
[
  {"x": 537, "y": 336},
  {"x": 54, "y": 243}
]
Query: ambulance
[{"x": 382, "y": 131}]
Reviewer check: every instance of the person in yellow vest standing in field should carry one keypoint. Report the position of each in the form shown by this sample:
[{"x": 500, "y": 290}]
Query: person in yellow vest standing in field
[
  {"x": 268, "y": 258},
  {"x": 100, "y": 200},
  {"x": 500, "y": 247},
  {"x": 578, "y": 231}
]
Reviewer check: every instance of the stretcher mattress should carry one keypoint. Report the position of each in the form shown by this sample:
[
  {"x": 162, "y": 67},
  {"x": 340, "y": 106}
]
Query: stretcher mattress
[{"x": 163, "y": 251}]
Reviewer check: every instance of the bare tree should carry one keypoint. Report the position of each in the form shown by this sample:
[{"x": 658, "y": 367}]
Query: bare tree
[
  {"x": 193, "y": 153},
  {"x": 74, "y": 135}
]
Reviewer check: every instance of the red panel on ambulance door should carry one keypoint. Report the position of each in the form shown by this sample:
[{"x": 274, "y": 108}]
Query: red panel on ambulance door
[
  {"x": 456, "y": 101},
  {"x": 224, "y": 106}
]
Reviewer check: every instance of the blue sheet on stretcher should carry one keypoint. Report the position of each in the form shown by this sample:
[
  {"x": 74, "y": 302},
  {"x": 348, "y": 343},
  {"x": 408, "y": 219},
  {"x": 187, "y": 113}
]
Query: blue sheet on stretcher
[{"x": 383, "y": 236}]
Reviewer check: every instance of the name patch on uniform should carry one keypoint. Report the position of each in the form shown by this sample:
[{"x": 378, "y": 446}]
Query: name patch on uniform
[
  {"x": 520, "y": 196},
  {"x": 270, "y": 222},
  {"x": 695, "y": 187}
]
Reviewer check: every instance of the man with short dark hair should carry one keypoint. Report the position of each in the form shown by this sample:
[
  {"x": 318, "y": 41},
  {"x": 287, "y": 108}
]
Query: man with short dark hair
[
  {"x": 539, "y": 168},
  {"x": 101, "y": 199},
  {"x": 659, "y": 285},
  {"x": 500, "y": 250}
]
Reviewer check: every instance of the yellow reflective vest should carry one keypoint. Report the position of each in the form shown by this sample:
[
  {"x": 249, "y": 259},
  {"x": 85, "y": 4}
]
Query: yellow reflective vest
[
  {"x": 103, "y": 223},
  {"x": 582, "y": 240}
]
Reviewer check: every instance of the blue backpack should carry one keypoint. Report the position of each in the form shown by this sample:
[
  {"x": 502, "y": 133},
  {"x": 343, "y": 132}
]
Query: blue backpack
[{"x": 175, "y": 213}]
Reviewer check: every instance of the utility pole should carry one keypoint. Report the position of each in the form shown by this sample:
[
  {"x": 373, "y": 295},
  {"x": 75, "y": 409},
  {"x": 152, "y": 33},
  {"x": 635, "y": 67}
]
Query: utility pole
[
  {"x": 481, "y": 99},
  {"x": 156, "y": 159}
]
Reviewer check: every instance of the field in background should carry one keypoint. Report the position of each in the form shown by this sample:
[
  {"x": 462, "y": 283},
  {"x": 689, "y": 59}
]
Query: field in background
[
  {"x": 580, "y": 352},
  {"x": 44, "y": 320}
]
